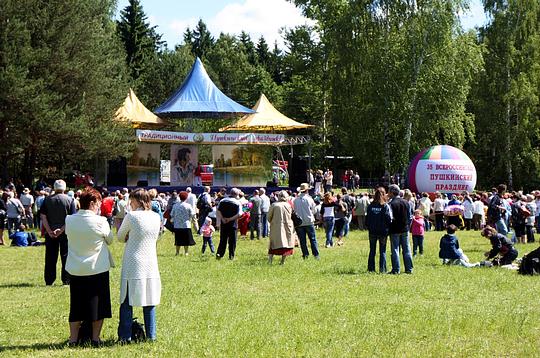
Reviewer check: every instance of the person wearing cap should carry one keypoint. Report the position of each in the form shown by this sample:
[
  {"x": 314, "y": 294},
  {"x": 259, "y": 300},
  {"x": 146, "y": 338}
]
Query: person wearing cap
[
  {"x": 27, "y": 200},
  {"x": 304, "y": 206},
  {"x": 399, "y": 230},
  {"x": 228, "y": 211},
  {"x": 53, "y": 214}
]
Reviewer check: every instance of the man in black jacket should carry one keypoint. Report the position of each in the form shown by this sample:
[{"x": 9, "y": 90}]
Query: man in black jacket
[{"x": 399, "y": 230}]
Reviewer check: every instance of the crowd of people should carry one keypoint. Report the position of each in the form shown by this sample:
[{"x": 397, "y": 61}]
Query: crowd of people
[{"x": 79, "y": 226}]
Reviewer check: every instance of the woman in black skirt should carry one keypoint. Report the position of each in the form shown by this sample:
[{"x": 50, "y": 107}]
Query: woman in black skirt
[
  {"x": 182, "y": 214},
  {"x": 88, "y": 263}
]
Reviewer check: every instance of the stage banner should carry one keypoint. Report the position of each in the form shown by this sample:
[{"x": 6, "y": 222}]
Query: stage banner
[
  {"x": 183, "y": 163},
  {"x": 144, "y": 165},
  {"x": 237, "y": 165},
  {"x": 210, "y": 138}
]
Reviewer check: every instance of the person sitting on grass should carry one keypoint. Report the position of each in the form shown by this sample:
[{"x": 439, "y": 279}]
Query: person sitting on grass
[
  {"x": 501, "y": 246},
  {"x": 23, "y": 239},
  {"x": 449, "y": 252}
]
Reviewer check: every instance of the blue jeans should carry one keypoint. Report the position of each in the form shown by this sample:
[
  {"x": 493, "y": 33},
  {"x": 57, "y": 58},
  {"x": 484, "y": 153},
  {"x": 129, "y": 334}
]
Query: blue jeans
[
  {"x": 501, "y": 227},
  {"x": 373, "y": 239},
  {"x": 309, "y": 230},
  {"x": 329, "y": 229},
  {"x": 397, "y": 241},
  {"x": 346, "y": 227},
  {"x": 126, "y": 320},
  {"x": 264, "y": 223},
  {"x": 418, "y": 244},
  {"x": 208, "y": 241}
]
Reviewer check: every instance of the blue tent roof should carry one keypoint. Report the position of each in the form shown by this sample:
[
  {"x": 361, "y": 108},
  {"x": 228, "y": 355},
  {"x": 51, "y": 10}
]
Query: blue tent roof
[{"x": 199, "y": 97}]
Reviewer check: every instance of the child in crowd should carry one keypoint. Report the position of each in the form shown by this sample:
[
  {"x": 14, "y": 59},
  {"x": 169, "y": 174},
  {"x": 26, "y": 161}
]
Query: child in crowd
[
  {"x": 207, "y": 230},
  {"x": 450, "y": 253},
  {"x": 417, "y": 230},
  {"x": 23, "y": 239}
]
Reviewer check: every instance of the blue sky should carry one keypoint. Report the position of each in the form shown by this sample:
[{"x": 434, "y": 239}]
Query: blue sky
[{"x": 256, "y": 17}]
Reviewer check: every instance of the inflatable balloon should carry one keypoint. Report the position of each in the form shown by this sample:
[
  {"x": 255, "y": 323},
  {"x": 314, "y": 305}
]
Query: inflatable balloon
[{"x": 441, "y": 168}]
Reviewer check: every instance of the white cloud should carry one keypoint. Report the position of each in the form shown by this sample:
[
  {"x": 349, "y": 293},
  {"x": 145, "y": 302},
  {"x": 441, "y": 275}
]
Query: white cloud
[{"x": 256, "y": 17}]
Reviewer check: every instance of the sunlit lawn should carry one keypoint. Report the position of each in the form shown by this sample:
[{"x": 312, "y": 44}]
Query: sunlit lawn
[{"x": 331, "y": 307}]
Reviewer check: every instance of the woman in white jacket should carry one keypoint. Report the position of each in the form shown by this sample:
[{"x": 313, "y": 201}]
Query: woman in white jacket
[
  {"x": 140, "y": 283},
  {"x": 88, "y": 263}
]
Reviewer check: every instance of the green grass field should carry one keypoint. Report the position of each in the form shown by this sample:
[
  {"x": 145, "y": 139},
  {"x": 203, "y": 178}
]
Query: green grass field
[{"x": 329, "y": 308}]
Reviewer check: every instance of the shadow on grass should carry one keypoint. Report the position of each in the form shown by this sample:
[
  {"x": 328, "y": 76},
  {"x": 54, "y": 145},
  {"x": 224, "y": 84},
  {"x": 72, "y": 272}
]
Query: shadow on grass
[
  {"x": 58, "y": 346},
  {"x": 336, "y": 270},
  {"x": 17, "y": 285}
]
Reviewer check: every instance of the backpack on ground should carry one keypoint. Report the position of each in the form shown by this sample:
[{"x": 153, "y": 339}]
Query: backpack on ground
[
  {"x": 530, "y": 263},
  {"x": 137, "y": 331}
]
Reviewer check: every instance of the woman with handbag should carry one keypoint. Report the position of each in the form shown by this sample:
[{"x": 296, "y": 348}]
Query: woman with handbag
[
  {"x": 282, "y": 235},
  {"x": 140, "y": 283},
  {"x": 88, "y": 263}
]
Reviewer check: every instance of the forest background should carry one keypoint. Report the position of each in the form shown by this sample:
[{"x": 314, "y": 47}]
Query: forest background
[{"x": 380, "y": 79}]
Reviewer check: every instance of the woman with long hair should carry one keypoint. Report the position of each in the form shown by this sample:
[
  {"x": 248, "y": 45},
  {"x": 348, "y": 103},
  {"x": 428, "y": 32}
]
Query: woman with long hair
[
  {"x": 378, "y": 221},
  {"x": 327, "y": 210}
]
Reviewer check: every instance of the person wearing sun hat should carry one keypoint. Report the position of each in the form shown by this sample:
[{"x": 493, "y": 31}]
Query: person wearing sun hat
[
  {"x": 27, "y": 200},
  {"x": 304, "y": 206}
]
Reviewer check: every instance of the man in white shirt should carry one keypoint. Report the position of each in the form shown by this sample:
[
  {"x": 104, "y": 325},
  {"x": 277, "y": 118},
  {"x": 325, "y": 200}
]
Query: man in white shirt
[
  {"x": 192, "y": 199},
  {"x": 265, "y": 207}
]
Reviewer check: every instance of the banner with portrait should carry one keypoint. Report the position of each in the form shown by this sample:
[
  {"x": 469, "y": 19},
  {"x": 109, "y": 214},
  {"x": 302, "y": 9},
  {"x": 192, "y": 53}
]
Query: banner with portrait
[
  {"x": 183, "y": 163},
  {"x": 144, "y": 165},
  {"x": 242, "y": 165}
]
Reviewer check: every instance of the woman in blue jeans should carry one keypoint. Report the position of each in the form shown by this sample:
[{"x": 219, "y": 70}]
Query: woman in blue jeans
[
  {"x": 140, "y": 283},
  {"x": 327, "y": 210},
  {"x": 378, "y": 221}
]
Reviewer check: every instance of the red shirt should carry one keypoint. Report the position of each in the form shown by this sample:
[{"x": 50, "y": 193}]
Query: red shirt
[{"x": 107, "y": 206}]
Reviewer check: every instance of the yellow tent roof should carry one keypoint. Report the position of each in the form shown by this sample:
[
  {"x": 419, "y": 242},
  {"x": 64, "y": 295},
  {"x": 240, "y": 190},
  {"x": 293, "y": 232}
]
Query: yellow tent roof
[
  {"x": 136, "y": 114},
  {"x": 266, "y": 118}
]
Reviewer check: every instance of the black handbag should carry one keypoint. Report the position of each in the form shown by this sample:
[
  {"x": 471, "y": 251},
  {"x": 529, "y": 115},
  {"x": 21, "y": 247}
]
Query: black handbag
[{"x": 297, "y": 221}]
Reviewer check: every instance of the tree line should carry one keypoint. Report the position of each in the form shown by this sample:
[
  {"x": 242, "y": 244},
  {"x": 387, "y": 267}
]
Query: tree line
[{"x": 379, "y": 79}]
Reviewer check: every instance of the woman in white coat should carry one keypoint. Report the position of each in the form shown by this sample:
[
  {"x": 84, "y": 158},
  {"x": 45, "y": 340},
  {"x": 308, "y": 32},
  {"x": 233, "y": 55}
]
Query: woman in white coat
[
  {"x": 140, "y": 283},
  {"x": 282, "y": 237},
  {"x": 88, "y": 263}
]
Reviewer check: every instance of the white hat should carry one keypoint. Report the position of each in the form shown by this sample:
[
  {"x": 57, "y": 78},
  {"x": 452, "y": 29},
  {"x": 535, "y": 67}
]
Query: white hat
[{"x": 59, "y": 185}]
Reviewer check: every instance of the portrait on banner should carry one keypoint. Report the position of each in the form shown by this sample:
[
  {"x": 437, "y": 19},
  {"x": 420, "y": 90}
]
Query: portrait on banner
[{"x": 183, "y": 163}]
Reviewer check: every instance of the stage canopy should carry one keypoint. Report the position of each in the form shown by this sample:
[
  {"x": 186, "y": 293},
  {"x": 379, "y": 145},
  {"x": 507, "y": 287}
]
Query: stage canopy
[
  {"x": 266, "y": 118},
  {"x": 136, "y": 114},
  {"x": 198, "y": 97}
]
